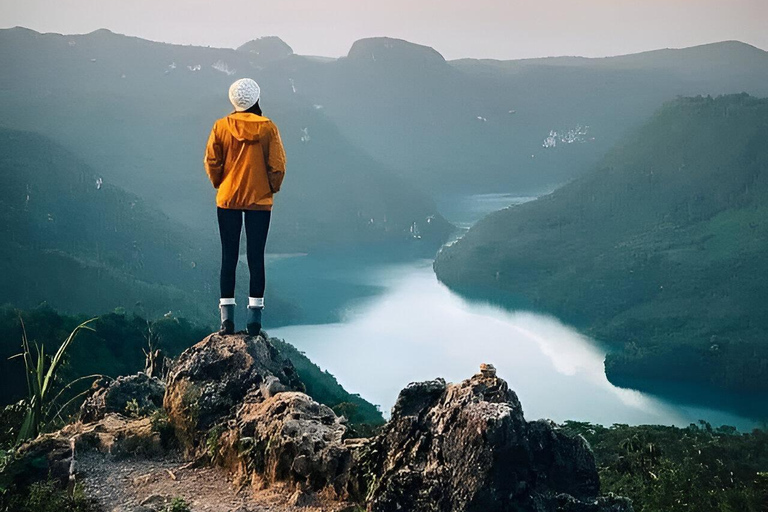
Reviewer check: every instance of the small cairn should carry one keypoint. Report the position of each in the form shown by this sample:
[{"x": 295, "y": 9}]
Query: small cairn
[{"x": 487, "y": 370}]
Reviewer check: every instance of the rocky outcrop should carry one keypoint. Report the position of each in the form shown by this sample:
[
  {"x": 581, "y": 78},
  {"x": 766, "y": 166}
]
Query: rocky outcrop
[
  {"x": 134, "y": 395},
  {"x": 211, "y": 379},
  {"x": 53, "y": 456},
  {"x": 462, "y": 447},
  {"x": 467, "y": 447},
  {"x": 448, "y": 447},
  {"x": 288, "y": 439}
]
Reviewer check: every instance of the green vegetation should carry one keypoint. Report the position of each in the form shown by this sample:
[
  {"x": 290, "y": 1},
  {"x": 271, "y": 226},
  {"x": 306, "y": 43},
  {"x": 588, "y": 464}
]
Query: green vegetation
[
  {"x": 162, "y": 425},
  {"x": 48, "y": 496},
  {"x": 113, "y": 347},
  {"x": 669, "y": 469},
  {"x": 660, "y": 252},
  {"x": 212, "y": 441},
  {"x": 41, "y": 375},
  {"x": 178, "y": 504}
]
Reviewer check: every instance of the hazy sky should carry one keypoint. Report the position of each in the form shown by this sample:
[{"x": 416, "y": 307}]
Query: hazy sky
[{"x": 457, "y": 28}]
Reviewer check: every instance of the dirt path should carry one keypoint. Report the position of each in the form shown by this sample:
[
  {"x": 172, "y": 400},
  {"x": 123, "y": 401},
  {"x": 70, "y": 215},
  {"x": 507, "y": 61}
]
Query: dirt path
[{"x": 141, "y": 485}]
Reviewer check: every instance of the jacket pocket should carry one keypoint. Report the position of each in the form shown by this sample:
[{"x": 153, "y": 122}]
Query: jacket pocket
[{"x": 275, "y": 180}]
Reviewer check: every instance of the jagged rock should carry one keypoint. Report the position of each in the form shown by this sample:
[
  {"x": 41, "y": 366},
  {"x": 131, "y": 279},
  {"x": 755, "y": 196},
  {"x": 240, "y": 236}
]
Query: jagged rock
[
  {"x": 288, "y": 439},
  {"x": 211, "y": 378},
  {"x": 134, "y": 395},
  {"x": 467, "y": 447},
  {"x": 561, "y": 462}
]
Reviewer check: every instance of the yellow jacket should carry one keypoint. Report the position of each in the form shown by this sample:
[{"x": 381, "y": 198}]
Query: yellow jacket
[{"x": 245, "y": 161}]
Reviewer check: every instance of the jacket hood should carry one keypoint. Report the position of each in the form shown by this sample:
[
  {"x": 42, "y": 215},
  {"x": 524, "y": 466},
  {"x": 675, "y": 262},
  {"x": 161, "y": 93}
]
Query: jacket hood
[{"x": 245, "y": 126}]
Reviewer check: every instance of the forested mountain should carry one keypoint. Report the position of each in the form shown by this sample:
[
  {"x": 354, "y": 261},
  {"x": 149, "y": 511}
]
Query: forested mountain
[
  {"x": 660, "y": 250},
  {"x": 139, "y": 113},
  {"x": 86, "y": 246},
  {"x": 487, "y": 126}
]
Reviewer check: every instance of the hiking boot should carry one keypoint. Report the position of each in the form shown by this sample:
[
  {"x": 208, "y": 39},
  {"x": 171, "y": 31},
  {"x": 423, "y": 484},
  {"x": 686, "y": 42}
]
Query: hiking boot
[
  {"x": 253, "y": 321},
  {"x": 227, "y": 319}
]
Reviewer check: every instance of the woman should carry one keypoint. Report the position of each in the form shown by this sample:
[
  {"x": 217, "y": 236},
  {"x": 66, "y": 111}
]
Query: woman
[{"x": 245, "y": 161}]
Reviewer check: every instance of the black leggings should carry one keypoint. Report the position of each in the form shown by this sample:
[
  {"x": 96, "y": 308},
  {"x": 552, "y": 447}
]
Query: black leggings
[{"x": 256, "y": 229}]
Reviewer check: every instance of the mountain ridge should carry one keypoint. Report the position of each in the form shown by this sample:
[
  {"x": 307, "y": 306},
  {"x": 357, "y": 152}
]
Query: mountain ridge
[
  {"x": 709, "y": 45},
  {"x": 657, "y": 252}
]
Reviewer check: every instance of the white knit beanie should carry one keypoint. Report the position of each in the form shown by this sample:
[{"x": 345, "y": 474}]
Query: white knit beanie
[{"x": 244, "y": 94}]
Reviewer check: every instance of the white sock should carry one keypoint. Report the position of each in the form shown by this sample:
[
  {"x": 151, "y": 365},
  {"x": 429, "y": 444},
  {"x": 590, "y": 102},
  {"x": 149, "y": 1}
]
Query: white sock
[
  {"x": 227, "y": 302},
  {"x": 255, "y": 302}
]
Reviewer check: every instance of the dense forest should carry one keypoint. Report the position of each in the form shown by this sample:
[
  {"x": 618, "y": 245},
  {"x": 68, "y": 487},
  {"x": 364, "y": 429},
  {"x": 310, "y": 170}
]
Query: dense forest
[
  {"x": 670, "y": 469},
  {"x": 660, "y": 251}
]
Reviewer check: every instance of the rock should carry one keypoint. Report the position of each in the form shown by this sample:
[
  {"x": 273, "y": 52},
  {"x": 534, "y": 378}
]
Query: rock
[
  {"x": 54, "y": 455},
  {"x": 134, "y": 395},
  {"x": 301, "y": 499},
  {"x": 562, "y": 463},
  {"x": 155, "y": 502},
  {"x": 118, "y": 436},
  {"x": 488, "y": 370},
  {"x": 46, "y": 457},
  {"x": 211, "y": 378},
  {"x": 467, "y": 447},
  {"x": 288, "y": 439},
  {"x": 272, "y": 386}
]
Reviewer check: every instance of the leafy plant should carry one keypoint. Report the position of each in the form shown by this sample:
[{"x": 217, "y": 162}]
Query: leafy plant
[
  {"x": 178, "y": 504},
  {"x": 162, "y": 425},
  {"x": 132, "y": 408},
  {"x": 41, "y": 379},
  {"x": 212, "y": 441}
]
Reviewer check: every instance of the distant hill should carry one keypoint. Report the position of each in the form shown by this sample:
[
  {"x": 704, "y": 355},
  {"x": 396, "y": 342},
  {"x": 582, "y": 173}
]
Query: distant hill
[
  {"x": 267, "y": 48},
  {"x": 139, "y": 113},
  {"x": 86, "y": 246},
  {"x": 661, "y": 251},
  {"x": 406, "y": 115},
  {"x": 467, "y": 126}
]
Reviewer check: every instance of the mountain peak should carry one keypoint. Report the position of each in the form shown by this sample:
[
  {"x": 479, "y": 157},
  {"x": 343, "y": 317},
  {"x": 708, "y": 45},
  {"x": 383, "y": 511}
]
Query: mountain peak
[
  {"x": 267, "y": 48},
  {"x": 387, "y": 49},
  {"x": 102, "y": 32}
]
